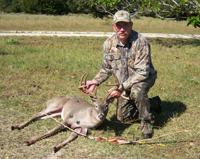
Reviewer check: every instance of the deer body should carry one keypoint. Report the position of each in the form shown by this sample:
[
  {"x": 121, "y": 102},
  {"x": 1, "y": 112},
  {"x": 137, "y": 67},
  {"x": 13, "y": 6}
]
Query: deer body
[
  {"x": 76, "y": 113},
  {"x": 87, "y": 115}
]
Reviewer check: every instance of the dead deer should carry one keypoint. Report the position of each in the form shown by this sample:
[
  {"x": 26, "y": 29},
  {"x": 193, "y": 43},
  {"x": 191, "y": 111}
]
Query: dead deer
[{"x": 76, "y": 113}]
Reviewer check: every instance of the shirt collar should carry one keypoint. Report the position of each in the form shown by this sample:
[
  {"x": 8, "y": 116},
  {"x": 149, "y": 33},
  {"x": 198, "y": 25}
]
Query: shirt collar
[{"x": 130, "y": 39}]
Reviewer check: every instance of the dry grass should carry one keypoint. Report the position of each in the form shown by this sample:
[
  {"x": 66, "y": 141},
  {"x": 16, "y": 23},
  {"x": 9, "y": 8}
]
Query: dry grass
[
  {"x": 39, "y": 68},
  {"x": 88, "y": 23}
]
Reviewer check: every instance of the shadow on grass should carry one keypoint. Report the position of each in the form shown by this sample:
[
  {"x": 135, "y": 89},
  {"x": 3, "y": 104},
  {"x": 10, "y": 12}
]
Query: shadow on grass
[
  {"x": 3, "y": 53},
  {"x": 169, "y": 110},
  {"x": 114, "y": 125},
  {"x": 169, "y": 42}
]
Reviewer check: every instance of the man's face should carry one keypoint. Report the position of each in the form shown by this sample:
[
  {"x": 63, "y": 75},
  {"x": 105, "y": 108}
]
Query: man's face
[{"x": 123, "y": 30}]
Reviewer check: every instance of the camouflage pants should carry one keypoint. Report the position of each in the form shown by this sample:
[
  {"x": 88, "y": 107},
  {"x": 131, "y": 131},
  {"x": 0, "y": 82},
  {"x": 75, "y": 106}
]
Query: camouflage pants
[{"x": 139, "y": 103}]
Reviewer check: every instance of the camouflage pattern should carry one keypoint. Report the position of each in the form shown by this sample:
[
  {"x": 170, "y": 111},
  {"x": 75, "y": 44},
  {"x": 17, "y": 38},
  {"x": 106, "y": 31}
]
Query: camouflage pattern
[
  {"x": 132, "y": 65},
  {"x": 139, "y": 105},
  {"x": 121, "y": 16}
]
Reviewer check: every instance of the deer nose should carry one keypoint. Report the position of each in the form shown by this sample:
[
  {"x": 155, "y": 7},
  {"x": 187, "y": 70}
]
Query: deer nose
[{"x": 101, "y": 116}]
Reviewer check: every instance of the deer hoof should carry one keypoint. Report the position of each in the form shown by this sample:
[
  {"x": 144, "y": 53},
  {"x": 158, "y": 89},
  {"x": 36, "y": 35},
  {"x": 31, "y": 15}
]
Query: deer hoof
[
  {"x": 18, "y": 128},
  {"x": 27, "y": 143},
  {"x": 56, "y": 149},
  {"x": 12, "y": 128}
]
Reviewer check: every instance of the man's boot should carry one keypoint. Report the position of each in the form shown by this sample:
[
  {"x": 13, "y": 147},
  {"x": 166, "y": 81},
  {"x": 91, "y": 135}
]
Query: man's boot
[
  {"x": 147, "y": 129},
  {"x": 155, "y": 104}
]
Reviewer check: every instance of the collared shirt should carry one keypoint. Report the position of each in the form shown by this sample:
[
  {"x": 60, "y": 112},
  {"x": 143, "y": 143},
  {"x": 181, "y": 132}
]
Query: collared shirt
[{"x": 131, "y": 63}]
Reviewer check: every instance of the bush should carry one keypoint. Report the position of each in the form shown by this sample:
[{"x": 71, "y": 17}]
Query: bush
[
  {"x": 55, "y": 7},
  {"x": 9, "y": 6}
]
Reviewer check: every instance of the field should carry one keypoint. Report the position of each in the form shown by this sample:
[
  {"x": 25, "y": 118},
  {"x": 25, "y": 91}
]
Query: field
[
  {"x": 88, "y": 23},
  {"x": 36, "y": 69}
]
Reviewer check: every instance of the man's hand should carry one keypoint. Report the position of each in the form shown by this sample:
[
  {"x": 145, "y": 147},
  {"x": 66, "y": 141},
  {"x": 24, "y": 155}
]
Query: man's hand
[
  {"x": 117, "y": 93},
  {"x": 90, "y": 85}
]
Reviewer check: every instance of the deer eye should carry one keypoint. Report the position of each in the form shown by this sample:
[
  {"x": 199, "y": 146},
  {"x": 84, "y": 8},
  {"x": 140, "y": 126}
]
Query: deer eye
[{"x": 106, "y": 107}]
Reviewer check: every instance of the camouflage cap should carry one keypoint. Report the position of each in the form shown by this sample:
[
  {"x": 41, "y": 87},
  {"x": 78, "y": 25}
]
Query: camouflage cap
[{"x": 121, "y": 16}]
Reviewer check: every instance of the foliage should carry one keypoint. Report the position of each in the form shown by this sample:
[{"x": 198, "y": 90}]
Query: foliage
[
  {"x": 83, "y": 6},
  {"x": 194, "y": 20},
  {"x": 54, "y": 7},
  {"x": 10, "y": 6},
  {"x": 78, "y": 6},
  {"x": 44, "y": 6},
  {"x": 165, "y": 9}
]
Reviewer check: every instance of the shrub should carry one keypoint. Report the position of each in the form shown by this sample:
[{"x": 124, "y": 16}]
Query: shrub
[{"x": 44, "y": 7}]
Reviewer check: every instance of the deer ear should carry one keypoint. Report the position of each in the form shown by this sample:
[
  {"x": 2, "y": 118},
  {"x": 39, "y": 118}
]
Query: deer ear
[{"x": 110, "y": 100}]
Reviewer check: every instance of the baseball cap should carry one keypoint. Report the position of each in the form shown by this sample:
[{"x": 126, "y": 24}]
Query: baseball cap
[{"x": 121, "y": 16}]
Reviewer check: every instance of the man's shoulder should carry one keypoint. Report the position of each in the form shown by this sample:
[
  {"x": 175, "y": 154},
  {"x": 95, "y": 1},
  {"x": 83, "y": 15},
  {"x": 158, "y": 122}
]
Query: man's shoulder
[
  {"x": 112, "y": 40},
  {"x": 112, "y": 37}
]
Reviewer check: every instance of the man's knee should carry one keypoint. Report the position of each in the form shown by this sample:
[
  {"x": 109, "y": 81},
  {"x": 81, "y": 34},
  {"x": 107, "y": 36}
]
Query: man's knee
[
  {"x": 125, "y": 109},
  {"x": 139, "y": 94},
  {"x": 139, "y": 91}
]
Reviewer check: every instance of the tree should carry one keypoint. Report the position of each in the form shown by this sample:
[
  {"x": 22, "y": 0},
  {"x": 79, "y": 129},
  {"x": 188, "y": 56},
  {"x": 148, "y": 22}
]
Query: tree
[
  {"x": 164, "y": 9},
  {"x": 54, "y": 7},
  {"x": 10, "y": 6}
]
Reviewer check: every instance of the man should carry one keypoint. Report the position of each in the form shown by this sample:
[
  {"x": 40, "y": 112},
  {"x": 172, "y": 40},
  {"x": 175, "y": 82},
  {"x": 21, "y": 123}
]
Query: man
[{"x": 127, "y": 54}]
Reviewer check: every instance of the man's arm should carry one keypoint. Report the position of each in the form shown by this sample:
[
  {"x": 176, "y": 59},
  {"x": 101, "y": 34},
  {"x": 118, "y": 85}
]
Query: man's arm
[{"x": 141, "y": 64}]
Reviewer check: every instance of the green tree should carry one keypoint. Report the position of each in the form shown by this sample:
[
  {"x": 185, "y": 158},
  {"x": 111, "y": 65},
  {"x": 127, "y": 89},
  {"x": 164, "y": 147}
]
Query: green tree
[
  {"x": 44, "y": 6},
  {"x": 165, "y": 9},
  {"x": 10, "y": 6},
  {"x": 79, "y": 6},
  {"x": 83, "y": 6}
]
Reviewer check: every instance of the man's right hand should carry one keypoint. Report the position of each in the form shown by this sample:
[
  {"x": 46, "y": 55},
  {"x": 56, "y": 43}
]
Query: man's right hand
[{"x": 90, "y": 85}]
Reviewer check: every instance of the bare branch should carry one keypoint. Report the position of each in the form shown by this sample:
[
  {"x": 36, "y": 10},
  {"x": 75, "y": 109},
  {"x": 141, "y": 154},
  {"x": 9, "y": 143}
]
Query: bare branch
[
  {"x": 164, "y": 4},
  {"x": 136, "y": 13},
  {"x": 159, "y": 16},
  {"x": 176, "y": 3},
  {"x": 106, "y": 11}
]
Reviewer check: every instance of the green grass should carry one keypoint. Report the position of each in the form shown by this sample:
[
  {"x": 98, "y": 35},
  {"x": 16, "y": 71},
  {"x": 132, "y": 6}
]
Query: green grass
[
  {"x": 37, "y": 69},
  {"x": 9, "y": 41}
]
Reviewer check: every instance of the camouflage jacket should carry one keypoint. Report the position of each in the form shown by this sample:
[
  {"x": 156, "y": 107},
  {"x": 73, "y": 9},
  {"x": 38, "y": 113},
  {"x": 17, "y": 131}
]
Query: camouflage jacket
[{"x": 131, "y": 63}]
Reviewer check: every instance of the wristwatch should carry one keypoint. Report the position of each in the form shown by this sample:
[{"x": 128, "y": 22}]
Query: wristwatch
[{"x": 121, "y": 89}]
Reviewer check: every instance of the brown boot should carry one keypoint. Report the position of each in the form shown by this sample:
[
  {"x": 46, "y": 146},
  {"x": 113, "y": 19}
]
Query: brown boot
[{"x": 147, "y": 129}]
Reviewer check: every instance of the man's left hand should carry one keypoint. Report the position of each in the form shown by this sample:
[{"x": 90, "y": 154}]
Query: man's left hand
[{"x": 115, "y": 94}]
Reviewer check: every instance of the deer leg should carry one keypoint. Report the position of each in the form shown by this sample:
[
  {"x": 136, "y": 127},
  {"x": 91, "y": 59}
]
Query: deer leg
[
  {"x": 53, "y": 112},
  {"x": 49, "y": 133},
  {"x": 72, "y": 136},
  {"x": 20, "y": 126}
]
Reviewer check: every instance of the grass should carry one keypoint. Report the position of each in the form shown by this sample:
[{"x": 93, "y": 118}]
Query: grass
[
  {"x": 73, "y": 22},
  {"x": 36, "y": 69},
  {"x": 9, "y": 41}
]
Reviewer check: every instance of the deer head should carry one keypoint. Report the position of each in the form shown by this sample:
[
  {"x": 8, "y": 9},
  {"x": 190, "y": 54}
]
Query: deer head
[{"x": 101, "y": 104}]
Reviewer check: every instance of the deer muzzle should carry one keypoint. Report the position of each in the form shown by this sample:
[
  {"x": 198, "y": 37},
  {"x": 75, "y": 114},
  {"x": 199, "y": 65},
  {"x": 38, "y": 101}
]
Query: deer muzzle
[{"x": 101, "y": 116}]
